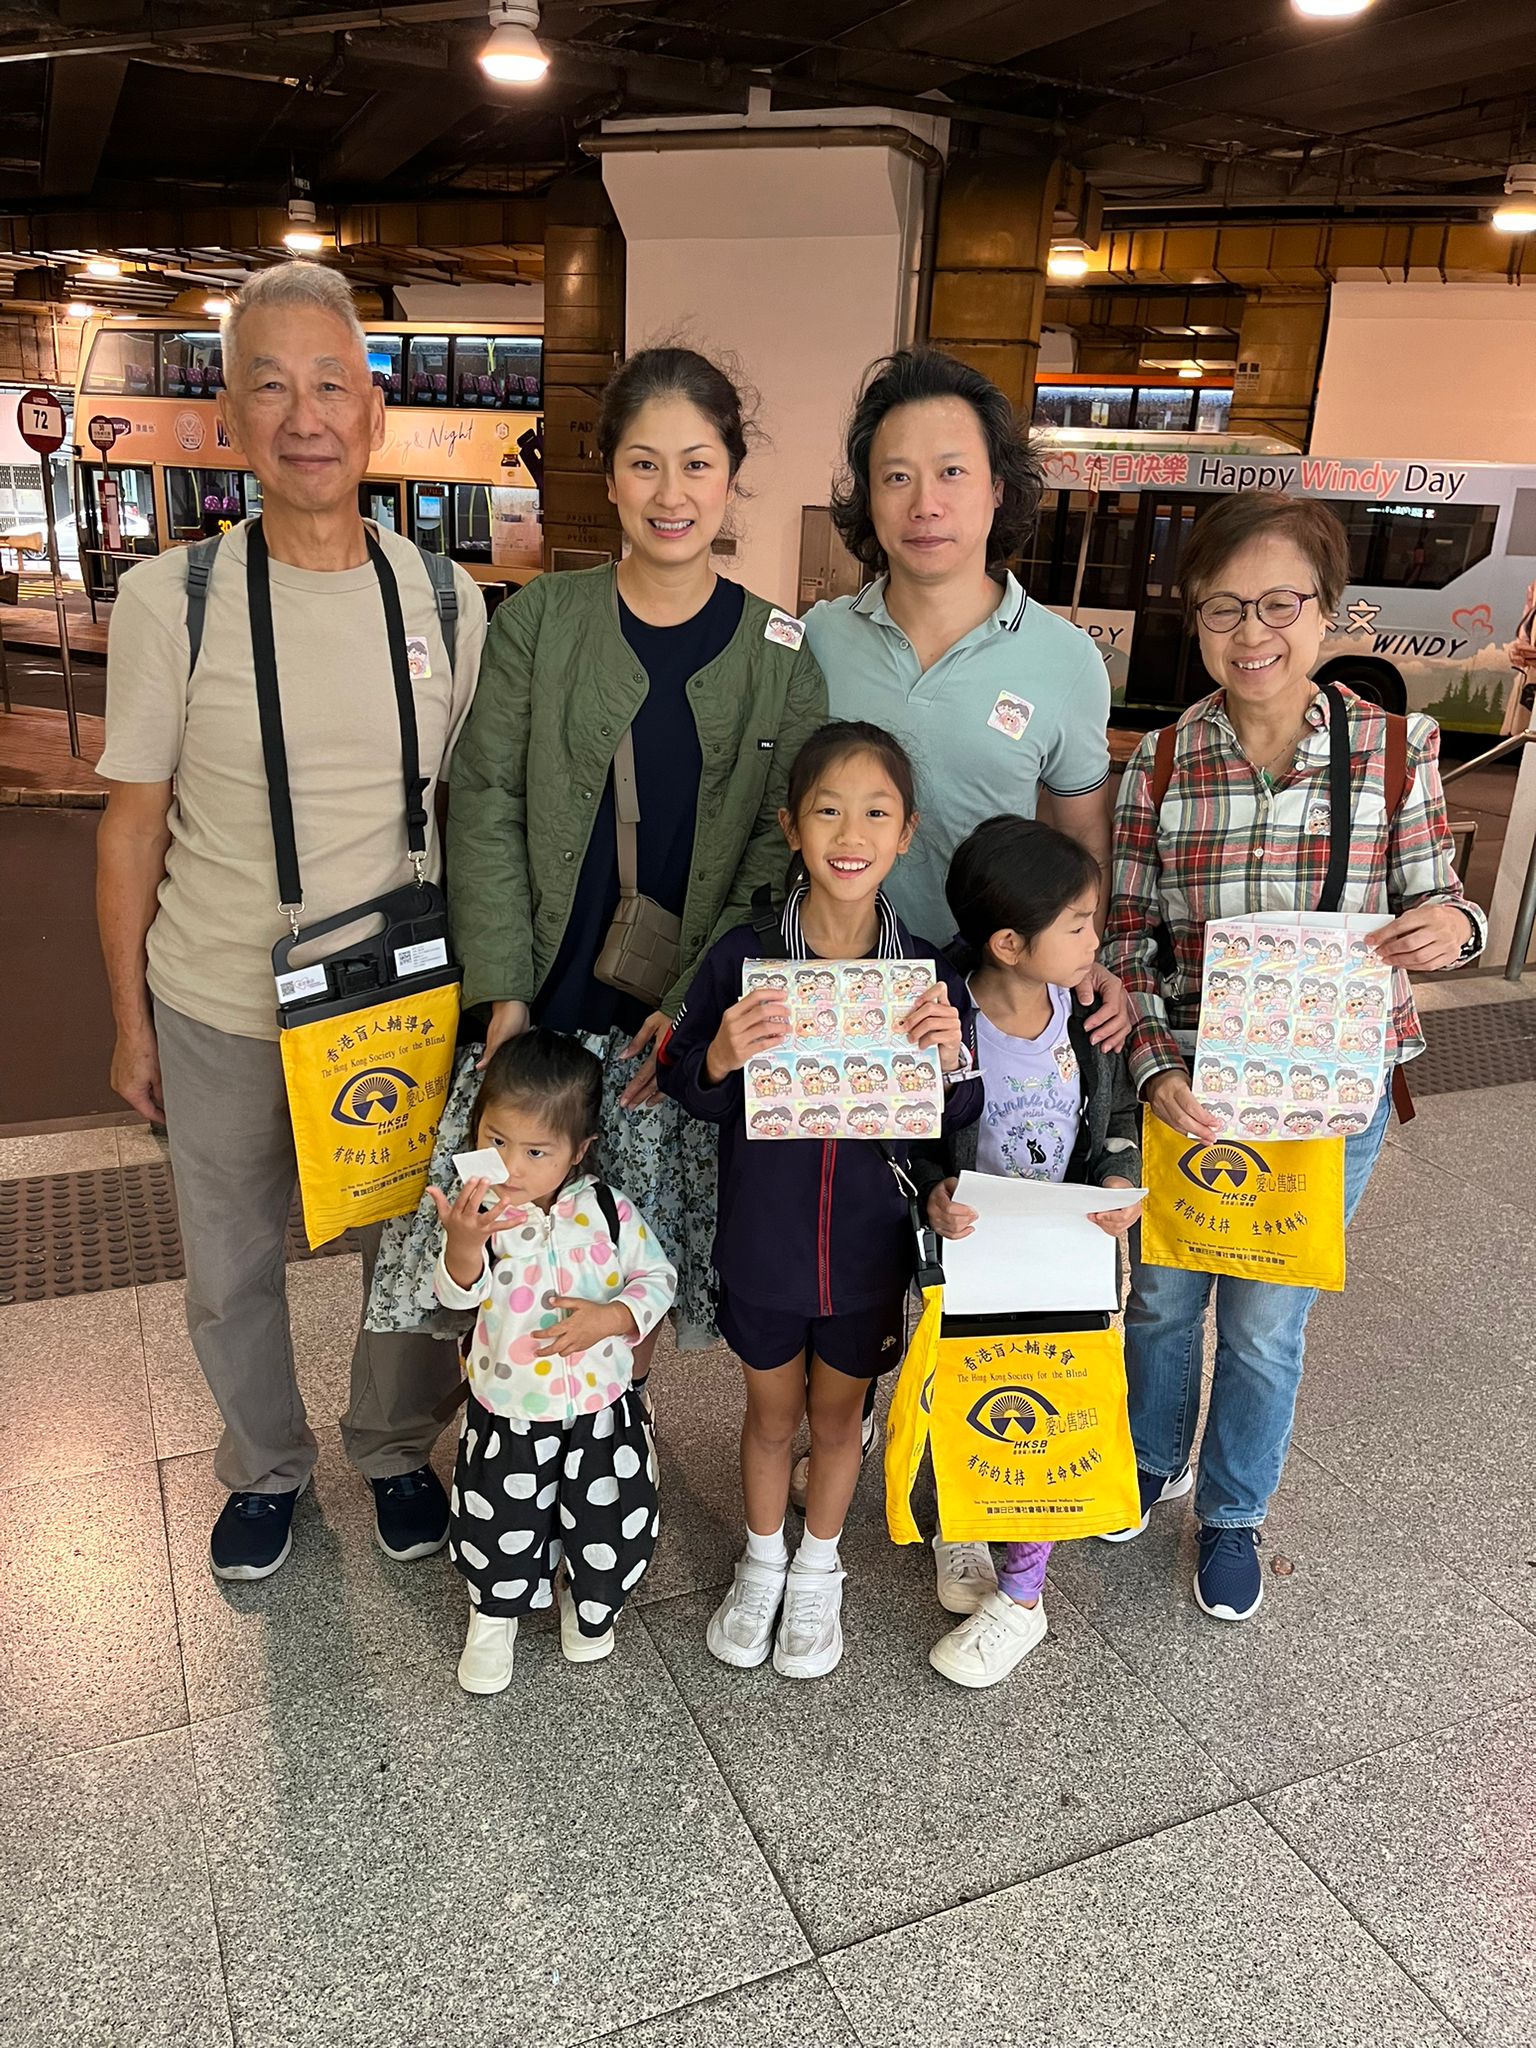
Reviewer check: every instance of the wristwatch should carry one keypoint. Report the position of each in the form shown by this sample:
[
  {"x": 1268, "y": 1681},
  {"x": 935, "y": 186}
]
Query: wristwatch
[
  {"x": 963, "y": 1071},
  {"x": 1474, "y": 944}
]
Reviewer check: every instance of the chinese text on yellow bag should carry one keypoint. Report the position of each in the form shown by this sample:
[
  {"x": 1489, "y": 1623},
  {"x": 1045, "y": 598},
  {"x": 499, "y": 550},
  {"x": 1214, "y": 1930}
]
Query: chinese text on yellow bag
[
  {"x": 1257, "y": 1212},
  {"x": 1029, "y": 1434}
]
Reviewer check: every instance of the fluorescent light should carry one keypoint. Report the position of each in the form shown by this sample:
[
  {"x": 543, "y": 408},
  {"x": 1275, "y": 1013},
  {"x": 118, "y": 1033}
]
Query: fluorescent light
[
  {"x": 1067, "y": 259},
  {"x": 77, "y": 309},
  {"x": 303, "y": 241},
  {"x": 103, "y": 266},
  {"x": 514, "y": 55},
  {"x": 217, "y": 307},
  {"x": 1190, "y": 370},
  {"x": 1330, "y": 10},
  {"x": 1517, "y": 214}
]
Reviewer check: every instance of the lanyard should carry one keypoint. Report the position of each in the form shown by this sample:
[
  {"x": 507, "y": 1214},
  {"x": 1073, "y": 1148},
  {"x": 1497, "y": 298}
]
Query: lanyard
[{"x": 258, "y": 586}]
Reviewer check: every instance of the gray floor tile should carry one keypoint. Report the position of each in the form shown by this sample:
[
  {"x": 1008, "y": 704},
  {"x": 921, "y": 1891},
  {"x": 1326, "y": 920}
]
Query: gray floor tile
[
  {"x": 104, "y": 1897},
  {"x": 883, "y": 1791},
  {"x": 1365, "y": 1643},
  {"x": 73, "y": 1396},
  {"x": 1403, "y": 1185},
  {"x": 408, "y": 1864},
  {"x": 137, "y": 1145},
  {"x": 324, "y": 1303},
  {"x": 58, "y": 1152},
  {"x": 338, "y": 1611},
  {"x": 1208, "y": 1936},
  {"x": 88, "y": 1649},
  {"x": 795, "y": 2010},
  {"x": 1433, "y": 1847},
  {"x": 1482, "y": 1136}
]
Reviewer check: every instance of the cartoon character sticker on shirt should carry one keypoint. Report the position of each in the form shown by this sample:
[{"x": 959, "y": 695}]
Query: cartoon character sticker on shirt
[
  {"x": 418, "y": 659},
  {"x": 1010, "y": 715}
]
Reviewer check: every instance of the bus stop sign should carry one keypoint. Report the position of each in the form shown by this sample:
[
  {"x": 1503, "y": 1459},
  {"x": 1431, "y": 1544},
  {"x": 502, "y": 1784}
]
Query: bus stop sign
[
  {"x": 102, "y": 432},
  {"x": 40, "y": 418}
]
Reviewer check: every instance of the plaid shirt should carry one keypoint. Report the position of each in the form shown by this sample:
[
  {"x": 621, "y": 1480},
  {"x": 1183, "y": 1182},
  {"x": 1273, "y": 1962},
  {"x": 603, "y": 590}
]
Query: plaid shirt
[{"x": 1226, "y": 844}]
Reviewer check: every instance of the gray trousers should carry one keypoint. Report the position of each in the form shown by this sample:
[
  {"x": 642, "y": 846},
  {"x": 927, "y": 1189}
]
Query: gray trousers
[{"x": 226, "y": 1112}]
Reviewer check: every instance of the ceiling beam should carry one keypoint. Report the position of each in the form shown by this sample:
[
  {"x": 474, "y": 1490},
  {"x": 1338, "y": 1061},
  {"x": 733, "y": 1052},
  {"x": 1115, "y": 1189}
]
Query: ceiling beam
[
  {"x": 392, "y": 128},
  {"x": 82, "y": 100}
]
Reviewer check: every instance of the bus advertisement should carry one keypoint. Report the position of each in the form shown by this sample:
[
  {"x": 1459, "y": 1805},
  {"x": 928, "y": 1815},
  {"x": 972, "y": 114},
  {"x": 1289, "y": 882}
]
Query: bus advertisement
[
  {"x": 460, "y": 468},
  {"x": 1442, "y": 568}
]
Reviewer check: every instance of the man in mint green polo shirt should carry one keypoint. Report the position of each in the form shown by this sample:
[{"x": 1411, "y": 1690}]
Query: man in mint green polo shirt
[{"x": 996, "y": 698}]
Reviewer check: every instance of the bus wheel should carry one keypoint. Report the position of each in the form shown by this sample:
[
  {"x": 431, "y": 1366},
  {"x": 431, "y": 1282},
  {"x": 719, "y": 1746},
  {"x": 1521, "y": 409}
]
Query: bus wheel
[{"x": 1378, "y": 682}]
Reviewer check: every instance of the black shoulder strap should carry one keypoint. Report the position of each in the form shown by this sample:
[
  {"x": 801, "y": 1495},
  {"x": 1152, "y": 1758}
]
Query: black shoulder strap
[
  {"x": 605, "y": 1201},
  {"x": 199, "y": 574},
  {"x": 446, "y": 596},
  {"x": 1340, "y": 804},
  {"x": 768, "y": 924}
]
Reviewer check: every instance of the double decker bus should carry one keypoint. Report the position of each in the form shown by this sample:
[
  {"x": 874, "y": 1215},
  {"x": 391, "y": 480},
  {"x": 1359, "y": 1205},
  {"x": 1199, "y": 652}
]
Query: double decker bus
[
  {"x": 1442, "y": 567},
  {"x": 460, "y": 469}
]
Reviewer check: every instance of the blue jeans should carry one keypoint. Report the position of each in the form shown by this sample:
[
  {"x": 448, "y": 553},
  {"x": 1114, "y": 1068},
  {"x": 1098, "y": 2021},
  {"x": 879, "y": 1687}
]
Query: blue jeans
[{"x": 1260, "y": 1337}]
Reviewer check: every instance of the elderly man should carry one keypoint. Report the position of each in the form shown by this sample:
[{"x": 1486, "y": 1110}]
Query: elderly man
[{"x": 187, "y": 896}]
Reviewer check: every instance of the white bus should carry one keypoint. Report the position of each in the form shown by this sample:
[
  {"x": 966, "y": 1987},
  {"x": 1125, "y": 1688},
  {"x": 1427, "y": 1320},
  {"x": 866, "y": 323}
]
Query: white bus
[{"x": 1442, "y": 566}]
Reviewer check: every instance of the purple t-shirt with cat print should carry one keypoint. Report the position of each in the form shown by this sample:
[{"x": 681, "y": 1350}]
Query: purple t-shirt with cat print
[{"x": 1034, "y": 1097}]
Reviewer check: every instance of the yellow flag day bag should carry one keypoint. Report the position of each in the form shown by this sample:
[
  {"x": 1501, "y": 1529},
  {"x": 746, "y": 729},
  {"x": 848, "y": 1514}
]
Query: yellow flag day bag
[
  {"x": 1024, "y": 1417},
  {"x": 1256, "y": 1212},
  {"x": 367, "y": 1033}
]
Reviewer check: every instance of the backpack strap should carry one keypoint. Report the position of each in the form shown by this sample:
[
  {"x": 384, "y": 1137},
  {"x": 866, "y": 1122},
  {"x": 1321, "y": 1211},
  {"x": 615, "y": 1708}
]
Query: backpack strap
[
  {"x": 603, "y": 1195},
  {"x": 445, "y": 595},
  {"x": 767, "y": 924},
  {"x": 1162, "y": 765},
  {"x": 1395, "y": 772},
  {"x": 199, "y": 574}
]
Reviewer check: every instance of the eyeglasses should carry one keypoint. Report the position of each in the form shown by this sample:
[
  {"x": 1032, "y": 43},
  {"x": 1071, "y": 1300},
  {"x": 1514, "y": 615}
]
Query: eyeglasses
[{"x": 1224, "y": 613}]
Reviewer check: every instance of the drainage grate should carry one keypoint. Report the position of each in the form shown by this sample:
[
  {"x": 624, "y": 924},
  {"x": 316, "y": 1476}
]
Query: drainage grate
[
  {"x": 82, "y": 1233},
  {"x": 1485, "y": 1045}
]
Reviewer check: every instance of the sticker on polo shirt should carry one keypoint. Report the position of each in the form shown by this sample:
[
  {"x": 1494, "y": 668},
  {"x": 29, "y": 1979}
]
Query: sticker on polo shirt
[
  {"x": 787, "y": 631},
  {"x": 1011, "y": 714},
  {"x": 418, "y": 659}
]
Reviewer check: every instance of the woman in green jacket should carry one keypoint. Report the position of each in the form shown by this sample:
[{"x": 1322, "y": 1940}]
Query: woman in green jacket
[{"x": 715, "y": 691}]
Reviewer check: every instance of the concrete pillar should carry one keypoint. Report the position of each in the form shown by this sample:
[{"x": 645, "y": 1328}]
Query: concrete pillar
[
  {"x": 583, "y": 339},
  {"x": 797, "y": 261},
  {"x": 989, "y": 288},
  {"x": 1278, "y": 349}
]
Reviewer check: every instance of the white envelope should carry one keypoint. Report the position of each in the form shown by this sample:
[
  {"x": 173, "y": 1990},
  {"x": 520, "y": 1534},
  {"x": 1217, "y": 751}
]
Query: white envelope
[{"x": 1033, "y": 1250}]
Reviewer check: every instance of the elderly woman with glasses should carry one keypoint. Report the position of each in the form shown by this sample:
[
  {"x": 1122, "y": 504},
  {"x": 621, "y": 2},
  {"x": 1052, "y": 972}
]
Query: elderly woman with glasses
[{"x": 1243, "y": 827}]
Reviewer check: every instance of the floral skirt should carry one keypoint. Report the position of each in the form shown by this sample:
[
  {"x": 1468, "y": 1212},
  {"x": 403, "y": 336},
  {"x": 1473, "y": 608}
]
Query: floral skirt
[{"x": 661, "y": 1157}]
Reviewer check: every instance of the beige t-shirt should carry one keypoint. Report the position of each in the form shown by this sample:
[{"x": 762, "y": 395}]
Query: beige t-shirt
[{"x": 210, "y": 946}]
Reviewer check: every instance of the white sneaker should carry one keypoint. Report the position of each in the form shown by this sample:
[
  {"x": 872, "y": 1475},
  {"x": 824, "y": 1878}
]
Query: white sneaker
[
  {"x": 810, "y": 1640},
  {"x": 966, "y": 1575},
  {"x": 800, "y": 1471},
  {"x": 1172, "y": 1489},
  {"x": 574, "y": 1646},
  {"x": 486, "y": 1664},
  {"x": 741, "y": 1628},
  {"x": 989, "y": 1643}
]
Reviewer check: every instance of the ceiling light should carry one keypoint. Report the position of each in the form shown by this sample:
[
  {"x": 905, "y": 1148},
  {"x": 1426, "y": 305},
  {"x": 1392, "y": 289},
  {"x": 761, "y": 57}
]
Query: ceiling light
[
  {"x": 77, "y": 309},
  {"x": 304, "y": 241},
  {"x": 1517, "y": 215},
  {"x": 103, "y": 266},
  {"x": 217, "y": 307},
  {"x": 1330, "y": 10},
  {"x": 303, "y": 237},
  {"x": 1190, "y": 370},
  {"x": 1067, "y": 259},
  {"x": 514, "y": 55}
]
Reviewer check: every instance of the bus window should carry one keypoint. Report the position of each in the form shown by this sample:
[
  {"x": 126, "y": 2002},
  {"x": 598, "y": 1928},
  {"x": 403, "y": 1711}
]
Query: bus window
[
  {"x": 135, "y": 507},
  {"x": 191, "y": 365},
  {"x": 381, "y": 504},
  {"x": 1165, "y": 412},
  {"x": 473, "y": 383},
  {"x": 519, "y": 370},
  {"x": 202, "y": 501},
  {"x": 384, "y": 354},
  {"x": 1214, "y": 412},
  {"x": 472, "y": 522},
  {"x": 1414, "y": 547},
  {"x": 428, "y": 378},
  {"x": 429, "y": 524},
  {"x": 122, "y": 364},
  {"x": 1083, "y": 405}
]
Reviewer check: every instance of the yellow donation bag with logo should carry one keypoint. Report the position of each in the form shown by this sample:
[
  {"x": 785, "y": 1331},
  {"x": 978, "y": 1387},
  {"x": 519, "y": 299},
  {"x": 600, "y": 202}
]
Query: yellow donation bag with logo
[
  {"x": 1025, "y": 1419},
  {"x": 1257, "y": 1212},
  {"x": 367, "y": 1032}
]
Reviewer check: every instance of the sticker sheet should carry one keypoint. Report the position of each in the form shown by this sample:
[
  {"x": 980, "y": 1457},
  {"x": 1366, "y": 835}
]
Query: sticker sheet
[
  {"x": 845, "y": 1071},
  {"x": 1293, "y": 1025}
]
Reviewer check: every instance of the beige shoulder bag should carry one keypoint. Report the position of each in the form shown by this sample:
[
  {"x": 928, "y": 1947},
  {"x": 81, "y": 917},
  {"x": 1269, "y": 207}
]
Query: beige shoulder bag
[{"x": 643, "y": 951}]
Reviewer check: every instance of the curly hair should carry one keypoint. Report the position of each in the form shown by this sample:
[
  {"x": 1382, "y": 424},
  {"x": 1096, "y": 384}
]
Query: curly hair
[{"x": 910, "y": 377}]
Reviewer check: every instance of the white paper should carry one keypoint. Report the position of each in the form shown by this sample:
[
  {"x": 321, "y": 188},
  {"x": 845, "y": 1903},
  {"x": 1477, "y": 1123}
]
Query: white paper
[
  {"x": 487, "y": 1164},
  {"x": 1032, "y": 1250}
]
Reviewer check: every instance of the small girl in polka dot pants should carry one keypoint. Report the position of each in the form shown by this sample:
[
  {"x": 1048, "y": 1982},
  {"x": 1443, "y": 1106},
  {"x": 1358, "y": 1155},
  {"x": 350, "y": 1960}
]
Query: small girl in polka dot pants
[{"x": 554, "y": 1493}]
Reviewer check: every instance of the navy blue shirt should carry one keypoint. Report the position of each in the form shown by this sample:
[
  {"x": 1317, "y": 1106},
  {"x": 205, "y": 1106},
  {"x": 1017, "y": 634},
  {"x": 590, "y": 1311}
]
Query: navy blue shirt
[{"x": 668, "y": 764}]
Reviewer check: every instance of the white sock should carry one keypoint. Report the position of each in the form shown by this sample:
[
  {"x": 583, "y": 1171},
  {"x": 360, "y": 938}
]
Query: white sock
[
  {"x": 767, "y": 1549},
  {"x": 817, "y": 1553}
]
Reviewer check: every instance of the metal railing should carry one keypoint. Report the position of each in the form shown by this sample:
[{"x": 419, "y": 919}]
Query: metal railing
[{"x": 1525, "y": 916}]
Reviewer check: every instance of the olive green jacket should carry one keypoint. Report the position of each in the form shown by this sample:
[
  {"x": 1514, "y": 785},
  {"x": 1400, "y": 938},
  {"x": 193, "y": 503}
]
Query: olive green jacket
[{"x": 559, "y": 685}]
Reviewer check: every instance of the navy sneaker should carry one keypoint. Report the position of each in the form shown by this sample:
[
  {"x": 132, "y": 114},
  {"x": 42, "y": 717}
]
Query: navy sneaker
[
  {"x": 1228, "y": 1582},
  {"x": 1152, "y": 1488},
  {"x": 253, "y": 1535},
  {"x": 410, "y": 1514}
]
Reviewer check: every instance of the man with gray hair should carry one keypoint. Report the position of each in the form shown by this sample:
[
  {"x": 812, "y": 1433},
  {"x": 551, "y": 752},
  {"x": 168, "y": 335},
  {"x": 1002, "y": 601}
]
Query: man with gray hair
[{"x": 187, "y": 895}]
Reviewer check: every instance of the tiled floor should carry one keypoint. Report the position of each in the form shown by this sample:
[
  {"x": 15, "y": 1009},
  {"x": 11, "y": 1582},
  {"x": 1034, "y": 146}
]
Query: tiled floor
[{"x": 266, "y": 1816}]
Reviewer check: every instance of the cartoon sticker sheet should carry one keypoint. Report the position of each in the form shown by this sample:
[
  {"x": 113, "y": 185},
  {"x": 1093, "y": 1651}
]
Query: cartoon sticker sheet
[
  {"x": 845, "y": 1071},
  {"x": 1293, "y": 1025}
]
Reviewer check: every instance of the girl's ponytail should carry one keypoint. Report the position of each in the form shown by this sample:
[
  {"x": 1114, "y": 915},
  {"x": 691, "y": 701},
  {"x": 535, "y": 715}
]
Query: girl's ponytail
[{"x": 1012, "y": 875}]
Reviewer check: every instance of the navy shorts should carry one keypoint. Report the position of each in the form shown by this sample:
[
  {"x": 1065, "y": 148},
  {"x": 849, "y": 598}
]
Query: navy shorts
[{"x": 864, "y": 1343}]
